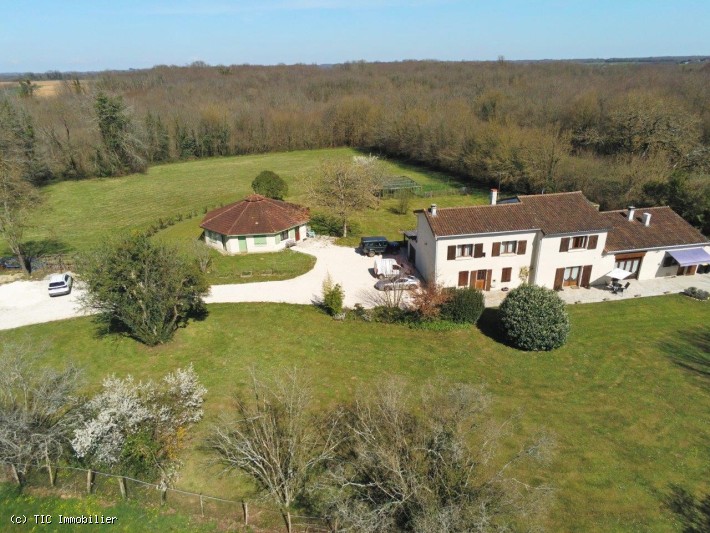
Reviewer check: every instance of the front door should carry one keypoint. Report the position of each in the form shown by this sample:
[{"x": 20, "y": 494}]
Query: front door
[
  {"x": 242, "y": 244},
  {"x": 298, "y": 233},
  {"x": 481, "y": 279}
]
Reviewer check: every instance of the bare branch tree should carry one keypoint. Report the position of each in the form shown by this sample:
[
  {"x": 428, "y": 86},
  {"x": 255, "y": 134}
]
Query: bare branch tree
[
  {"x": 17, "y": 199},
  {"x": 38, "y": 408},
  {"x": 433, "y": 466},
  {"x": 274, "y": 439},
  {"x": 346, "y": 187}
]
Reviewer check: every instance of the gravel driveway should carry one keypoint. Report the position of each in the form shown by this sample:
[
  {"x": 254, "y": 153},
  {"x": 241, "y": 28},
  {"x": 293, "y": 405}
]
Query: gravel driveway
[
  {"x": 347, "y": 267},
  {"x": 27, "y": 302}
]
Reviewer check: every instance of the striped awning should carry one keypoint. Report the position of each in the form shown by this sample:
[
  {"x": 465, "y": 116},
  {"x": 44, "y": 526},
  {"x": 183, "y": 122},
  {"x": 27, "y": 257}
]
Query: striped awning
[{"x": 693, "y": 256}]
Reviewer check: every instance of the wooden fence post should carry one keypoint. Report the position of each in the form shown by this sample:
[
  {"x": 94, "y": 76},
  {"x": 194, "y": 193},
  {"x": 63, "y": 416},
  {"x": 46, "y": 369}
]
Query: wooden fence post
[
  {"x": 122, "y": 486},
  {"x": 52, "y": 473},
  {"x": 16, "y": 474},
  {"x": 245, "y": 510},
  {"x": 202, "y": 506},
  {"x": 89, "y": 480}
]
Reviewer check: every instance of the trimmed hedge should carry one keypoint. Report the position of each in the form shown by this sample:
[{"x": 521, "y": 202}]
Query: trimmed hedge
[
  {"x": 464, "y": 307},
  {"x": 534, "y": 318}
]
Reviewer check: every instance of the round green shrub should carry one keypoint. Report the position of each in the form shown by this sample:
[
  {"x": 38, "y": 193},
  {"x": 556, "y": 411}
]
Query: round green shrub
[
  {"x": 534, "y": 318},
  {"x": 464, "y": 306},
  {"x": 270, "y": 184}
]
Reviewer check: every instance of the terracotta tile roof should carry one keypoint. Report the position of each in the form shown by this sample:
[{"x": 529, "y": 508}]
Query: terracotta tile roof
[
  {"x": 667, "y": 228},
  {"x": 255, "y": 215},
  {"x": 550, "y": 213}
]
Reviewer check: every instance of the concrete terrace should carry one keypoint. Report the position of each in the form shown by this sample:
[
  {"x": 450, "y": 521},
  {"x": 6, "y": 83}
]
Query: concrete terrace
[{"x": 637, "y": 289}]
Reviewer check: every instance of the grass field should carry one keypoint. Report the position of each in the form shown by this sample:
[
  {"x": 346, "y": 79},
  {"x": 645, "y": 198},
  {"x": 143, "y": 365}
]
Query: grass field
[
  {"x": 76, "y": 215},
  {"x": 130, "y": 516},
  {"x": 627, "y": 398},
  {"x": 43, "y": 88}
]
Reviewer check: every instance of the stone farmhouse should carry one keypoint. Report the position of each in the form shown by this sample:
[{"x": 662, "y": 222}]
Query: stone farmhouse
[{"x": 553, "y": 240}]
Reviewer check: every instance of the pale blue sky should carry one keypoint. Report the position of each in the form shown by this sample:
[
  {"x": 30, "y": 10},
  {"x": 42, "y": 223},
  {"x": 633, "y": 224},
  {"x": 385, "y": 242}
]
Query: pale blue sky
[{"x": 40, "y": 35}]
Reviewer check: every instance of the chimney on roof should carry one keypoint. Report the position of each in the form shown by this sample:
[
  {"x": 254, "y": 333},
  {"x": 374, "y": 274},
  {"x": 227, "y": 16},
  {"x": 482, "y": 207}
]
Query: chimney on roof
[
  {"x": 647, "y": 219},
  {"x": 432, "y": 210},
  {"x": 632, "y": 212},
  {"x": 494, "y": 196}
]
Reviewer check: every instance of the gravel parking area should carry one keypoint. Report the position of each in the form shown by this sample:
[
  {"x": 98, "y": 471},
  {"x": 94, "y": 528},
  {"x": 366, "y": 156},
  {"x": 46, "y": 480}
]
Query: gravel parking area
[
  {"x": 345, "y": 266},
  {"x": 27, "y": 302}
]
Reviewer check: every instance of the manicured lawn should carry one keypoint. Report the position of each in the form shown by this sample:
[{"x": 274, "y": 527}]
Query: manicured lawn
[
  {"x": 235, "y": 268},
  {"x": 130, "y": 516},
  {"x": 628, "y": 398},
  {"x": 76, "y": 215}
]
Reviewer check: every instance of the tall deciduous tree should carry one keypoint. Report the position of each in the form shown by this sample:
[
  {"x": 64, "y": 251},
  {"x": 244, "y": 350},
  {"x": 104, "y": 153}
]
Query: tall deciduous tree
[
  {"x": 428, "y": 466},
  {"x": 149, "y": 289},
  {"x": 346, "y": 187},
  {"x": 17, "y": 200},
  {"x": 274, "y": 439},
  {"x": 124, "y": 152}
]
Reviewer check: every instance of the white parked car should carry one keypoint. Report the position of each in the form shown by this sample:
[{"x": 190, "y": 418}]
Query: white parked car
[
  {"x": 403, "y": 283},
  {"x": 60, "y": 284},
  {"x": 386, "y": 268}
]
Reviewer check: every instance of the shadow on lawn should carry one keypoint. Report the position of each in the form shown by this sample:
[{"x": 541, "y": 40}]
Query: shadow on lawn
[
  {"x": 109, "y": 326},
  {"x": 690, "y": 349},
  {"x": 693, "y": 513},
  {"x": 489, "y": 325}
]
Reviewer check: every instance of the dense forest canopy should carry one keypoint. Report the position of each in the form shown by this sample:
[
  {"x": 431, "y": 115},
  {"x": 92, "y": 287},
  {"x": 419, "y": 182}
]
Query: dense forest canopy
[{"x": 623, "y": 133}]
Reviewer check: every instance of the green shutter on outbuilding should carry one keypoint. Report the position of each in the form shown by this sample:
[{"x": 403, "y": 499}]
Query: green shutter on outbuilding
[{"x": 260, "y": 240}]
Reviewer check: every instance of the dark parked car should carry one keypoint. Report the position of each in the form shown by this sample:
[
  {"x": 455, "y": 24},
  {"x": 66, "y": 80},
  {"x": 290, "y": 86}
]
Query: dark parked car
[
  {"x": 371, "y": 246},
  {"x": 9, "y": 262}
]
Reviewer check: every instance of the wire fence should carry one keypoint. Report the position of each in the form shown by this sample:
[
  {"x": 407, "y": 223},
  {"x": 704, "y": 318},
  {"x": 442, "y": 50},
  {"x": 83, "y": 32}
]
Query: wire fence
[
  {"x": 240, "y": 515},
  {"x": 429, "y": 191}
]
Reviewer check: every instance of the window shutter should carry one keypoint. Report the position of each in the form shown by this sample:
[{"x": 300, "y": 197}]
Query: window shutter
[
  {"x": 564, "y": 244},
  {"x": 496, "y": 249},
  {"x": 586, "y": 276},
  {"x": 506, "y": 274},
  {"x": 559, "y": 278},
  {"x": 592, "y": 244},
  {"x": 478, "y": 250},
  {"x": 451, "y": 253},
  {"x": 489, "y": 275},
  {"x": 463, "y": 278},
  {"x": 522, "y": 247}
]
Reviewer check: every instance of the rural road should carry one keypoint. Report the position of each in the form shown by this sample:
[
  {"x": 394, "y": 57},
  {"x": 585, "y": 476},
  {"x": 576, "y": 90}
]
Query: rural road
[{"x": 27, "y": 302}]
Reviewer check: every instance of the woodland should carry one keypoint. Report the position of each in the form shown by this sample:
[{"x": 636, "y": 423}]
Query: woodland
[{"x": 623, "y": 133}]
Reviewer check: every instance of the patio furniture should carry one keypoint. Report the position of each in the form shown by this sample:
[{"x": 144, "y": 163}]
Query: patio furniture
[{"x": 620, "y": 289}]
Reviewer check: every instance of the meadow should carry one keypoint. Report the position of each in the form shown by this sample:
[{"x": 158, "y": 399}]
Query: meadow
[
  {"x": 627, "y": 399},
  {"x": 77, "y": 215}
]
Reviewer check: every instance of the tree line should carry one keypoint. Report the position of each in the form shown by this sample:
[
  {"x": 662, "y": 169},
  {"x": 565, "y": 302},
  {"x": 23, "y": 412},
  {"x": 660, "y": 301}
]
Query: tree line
[{"x": 620, "y": 132}]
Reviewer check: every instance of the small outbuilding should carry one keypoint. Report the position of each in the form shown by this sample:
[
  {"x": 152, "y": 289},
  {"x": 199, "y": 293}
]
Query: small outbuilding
[{"x": 255, "y": 224}]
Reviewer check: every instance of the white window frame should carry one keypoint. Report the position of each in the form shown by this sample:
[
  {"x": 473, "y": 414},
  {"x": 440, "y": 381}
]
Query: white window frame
[
  {"x": 508, "y": 247},
  {"x": 585, "y": 242},
  {"x": 464, "y": 250}
]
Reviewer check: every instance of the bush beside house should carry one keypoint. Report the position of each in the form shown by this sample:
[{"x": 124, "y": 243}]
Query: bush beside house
[{"x": 534, "y": 318}]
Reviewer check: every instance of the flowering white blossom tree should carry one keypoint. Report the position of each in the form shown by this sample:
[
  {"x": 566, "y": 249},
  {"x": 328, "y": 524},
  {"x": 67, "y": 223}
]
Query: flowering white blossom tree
[{"x": 133, "y": 423}]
